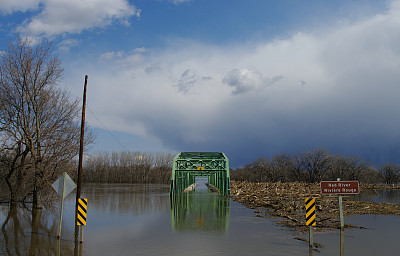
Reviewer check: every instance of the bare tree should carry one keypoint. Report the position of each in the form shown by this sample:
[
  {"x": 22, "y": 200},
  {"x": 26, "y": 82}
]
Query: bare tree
[
  {"x": 315, "y": 164},
  {"x": 296, "y": 171},
  {"x": 346, "y": 167},
  {"x": 280, "y": 166},
  {"x": 38, "y": 121},
  {"x": 370, "y": 175},
  {"x": 260, "y": 168},
  {"x": 390, "y": 173},
  {"x": 128, "y": 167}
]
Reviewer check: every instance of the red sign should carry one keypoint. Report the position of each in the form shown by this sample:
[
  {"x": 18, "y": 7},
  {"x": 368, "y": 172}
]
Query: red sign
[{"x": 339, "y": 187}]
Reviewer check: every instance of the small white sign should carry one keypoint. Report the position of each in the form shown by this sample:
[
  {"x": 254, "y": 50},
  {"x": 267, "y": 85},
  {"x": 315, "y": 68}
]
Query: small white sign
[{"x": 64, "y": 183}]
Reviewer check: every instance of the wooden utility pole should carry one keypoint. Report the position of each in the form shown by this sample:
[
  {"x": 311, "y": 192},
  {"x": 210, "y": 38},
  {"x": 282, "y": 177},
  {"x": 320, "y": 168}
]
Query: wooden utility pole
[{"x": 79, "y": 182}]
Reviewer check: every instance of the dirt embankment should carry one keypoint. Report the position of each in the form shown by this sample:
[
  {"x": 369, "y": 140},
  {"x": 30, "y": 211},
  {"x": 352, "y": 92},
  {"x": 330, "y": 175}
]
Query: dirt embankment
[{"x": 287, "y": 200}]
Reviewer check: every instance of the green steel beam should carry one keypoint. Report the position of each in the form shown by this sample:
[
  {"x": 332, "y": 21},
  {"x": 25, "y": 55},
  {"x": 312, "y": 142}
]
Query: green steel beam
[{"x": 188, "y": 165}]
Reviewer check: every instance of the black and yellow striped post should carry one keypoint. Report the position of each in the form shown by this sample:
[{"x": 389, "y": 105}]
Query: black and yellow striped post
[
  {"x": 81, "y": 215},
  {"x": 310, "y": 212},
  {"x": 82, "y": 211},
  {"x": 310, "y": 216}
]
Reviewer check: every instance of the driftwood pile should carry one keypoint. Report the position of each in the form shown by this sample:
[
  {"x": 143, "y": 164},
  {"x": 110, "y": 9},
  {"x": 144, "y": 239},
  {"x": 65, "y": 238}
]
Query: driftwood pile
[
  {"x": 190, "y": 188},
  {"x": 212, "y": 188},
  {"x": 287, "y": 200}
]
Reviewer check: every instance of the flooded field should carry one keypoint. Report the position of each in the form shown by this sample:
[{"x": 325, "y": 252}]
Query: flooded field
[
  {"x": 379, "y": 196},
  {"x": 131, "y": 219}
]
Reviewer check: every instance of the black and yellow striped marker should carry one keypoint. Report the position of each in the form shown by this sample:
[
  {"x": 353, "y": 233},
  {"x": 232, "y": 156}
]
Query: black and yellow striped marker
[
  {"x": 82, "y": 211},
  {"x": 310, "y": 212}
]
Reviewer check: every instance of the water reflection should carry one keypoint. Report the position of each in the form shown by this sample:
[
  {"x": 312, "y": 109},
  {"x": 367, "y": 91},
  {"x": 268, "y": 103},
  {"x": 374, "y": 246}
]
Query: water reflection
[
  {"x": 127, "y": 199},
  {"x": 341, "y": 241},
  {"x": 378, "y": 196},
  {"x": 33, "y": 232},
  {"x": 137, "y": 219},
  {"x": 314, "y": 249},
  {"x": 29, "y": 232},
  {"x": 199, "y": 210}
]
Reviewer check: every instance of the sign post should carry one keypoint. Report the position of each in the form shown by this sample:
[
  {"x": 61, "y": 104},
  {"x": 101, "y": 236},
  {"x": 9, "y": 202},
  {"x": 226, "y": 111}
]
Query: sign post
[
  {"x": 340, "y": 188},
  {"x": 310, "y": 217},
  {"x": 63, "y": 186},
  {"x": 81, "y": 215},
  {"x": 340, "y": 200}
]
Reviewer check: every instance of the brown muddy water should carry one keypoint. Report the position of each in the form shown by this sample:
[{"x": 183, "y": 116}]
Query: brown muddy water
[{"x": 131, "y": 219}]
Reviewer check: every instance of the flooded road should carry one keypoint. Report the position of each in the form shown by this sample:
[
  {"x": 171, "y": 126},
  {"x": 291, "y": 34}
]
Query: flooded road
[{"x": 131, "y": 219}]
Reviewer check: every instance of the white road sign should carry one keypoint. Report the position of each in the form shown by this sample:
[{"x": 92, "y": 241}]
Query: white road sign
[{"x": 64, "y": 183}]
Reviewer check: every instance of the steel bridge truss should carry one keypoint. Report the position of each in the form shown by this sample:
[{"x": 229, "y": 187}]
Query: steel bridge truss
[{"x": 189, "y": 165}]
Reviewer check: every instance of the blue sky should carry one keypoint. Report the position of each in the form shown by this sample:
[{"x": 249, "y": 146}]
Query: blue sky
[{"x": 249, "y": 78}]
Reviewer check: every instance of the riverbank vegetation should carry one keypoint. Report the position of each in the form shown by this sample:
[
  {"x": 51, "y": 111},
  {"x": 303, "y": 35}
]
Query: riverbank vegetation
[
  {"x": 102, "y": 167},
  {"x": 128, "y": 167},
  {"x": 314, "y": 166}
]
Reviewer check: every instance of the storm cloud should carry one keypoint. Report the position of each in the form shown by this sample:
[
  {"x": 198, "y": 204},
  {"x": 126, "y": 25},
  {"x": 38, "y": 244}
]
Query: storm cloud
[
  {"x": 244, "y": 80},
  {"x": 336, "y": 88}
]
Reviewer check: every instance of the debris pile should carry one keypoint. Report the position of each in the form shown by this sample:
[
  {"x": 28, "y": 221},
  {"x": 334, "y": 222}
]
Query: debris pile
[
  {"x": 287, "y": 200},
  {"x": 190, "y": 187},
  {"x": 212, "y": 187}
]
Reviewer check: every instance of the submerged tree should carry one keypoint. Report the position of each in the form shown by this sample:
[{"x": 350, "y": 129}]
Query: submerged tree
[{"x": 39, "y": 122}]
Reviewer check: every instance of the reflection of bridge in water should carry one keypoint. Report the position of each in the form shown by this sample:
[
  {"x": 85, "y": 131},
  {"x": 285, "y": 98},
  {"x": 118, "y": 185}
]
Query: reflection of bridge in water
[{"x": 200, "y": 210}]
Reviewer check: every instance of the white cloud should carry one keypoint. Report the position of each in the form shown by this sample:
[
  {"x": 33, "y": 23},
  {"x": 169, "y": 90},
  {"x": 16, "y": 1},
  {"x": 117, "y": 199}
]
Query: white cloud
[
  {"x": 74, "y": 16},
  {"x": 140, "y": 50},
  {"x": 152, "y": 67},
  {"x": 110, "y": 55},
  {"x": 192, "y": 97},
  {"x": 181, "y": 1},
  {"x": 67, "y": 44},
  {"x": 10, "y": 6},
  {"x": 131, "y": 60},
  {"x": 244, "y": 80}
]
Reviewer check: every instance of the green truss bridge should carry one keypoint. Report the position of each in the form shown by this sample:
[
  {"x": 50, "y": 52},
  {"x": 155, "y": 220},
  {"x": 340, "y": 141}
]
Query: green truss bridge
[{"x": 189, "y": 165}]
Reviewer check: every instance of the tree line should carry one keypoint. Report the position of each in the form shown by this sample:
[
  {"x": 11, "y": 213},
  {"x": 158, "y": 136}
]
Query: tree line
[
  {"x": 128, "y": 167},
  {"x": 309, "y": 166},
  {"x": 314, "y": 166}
]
